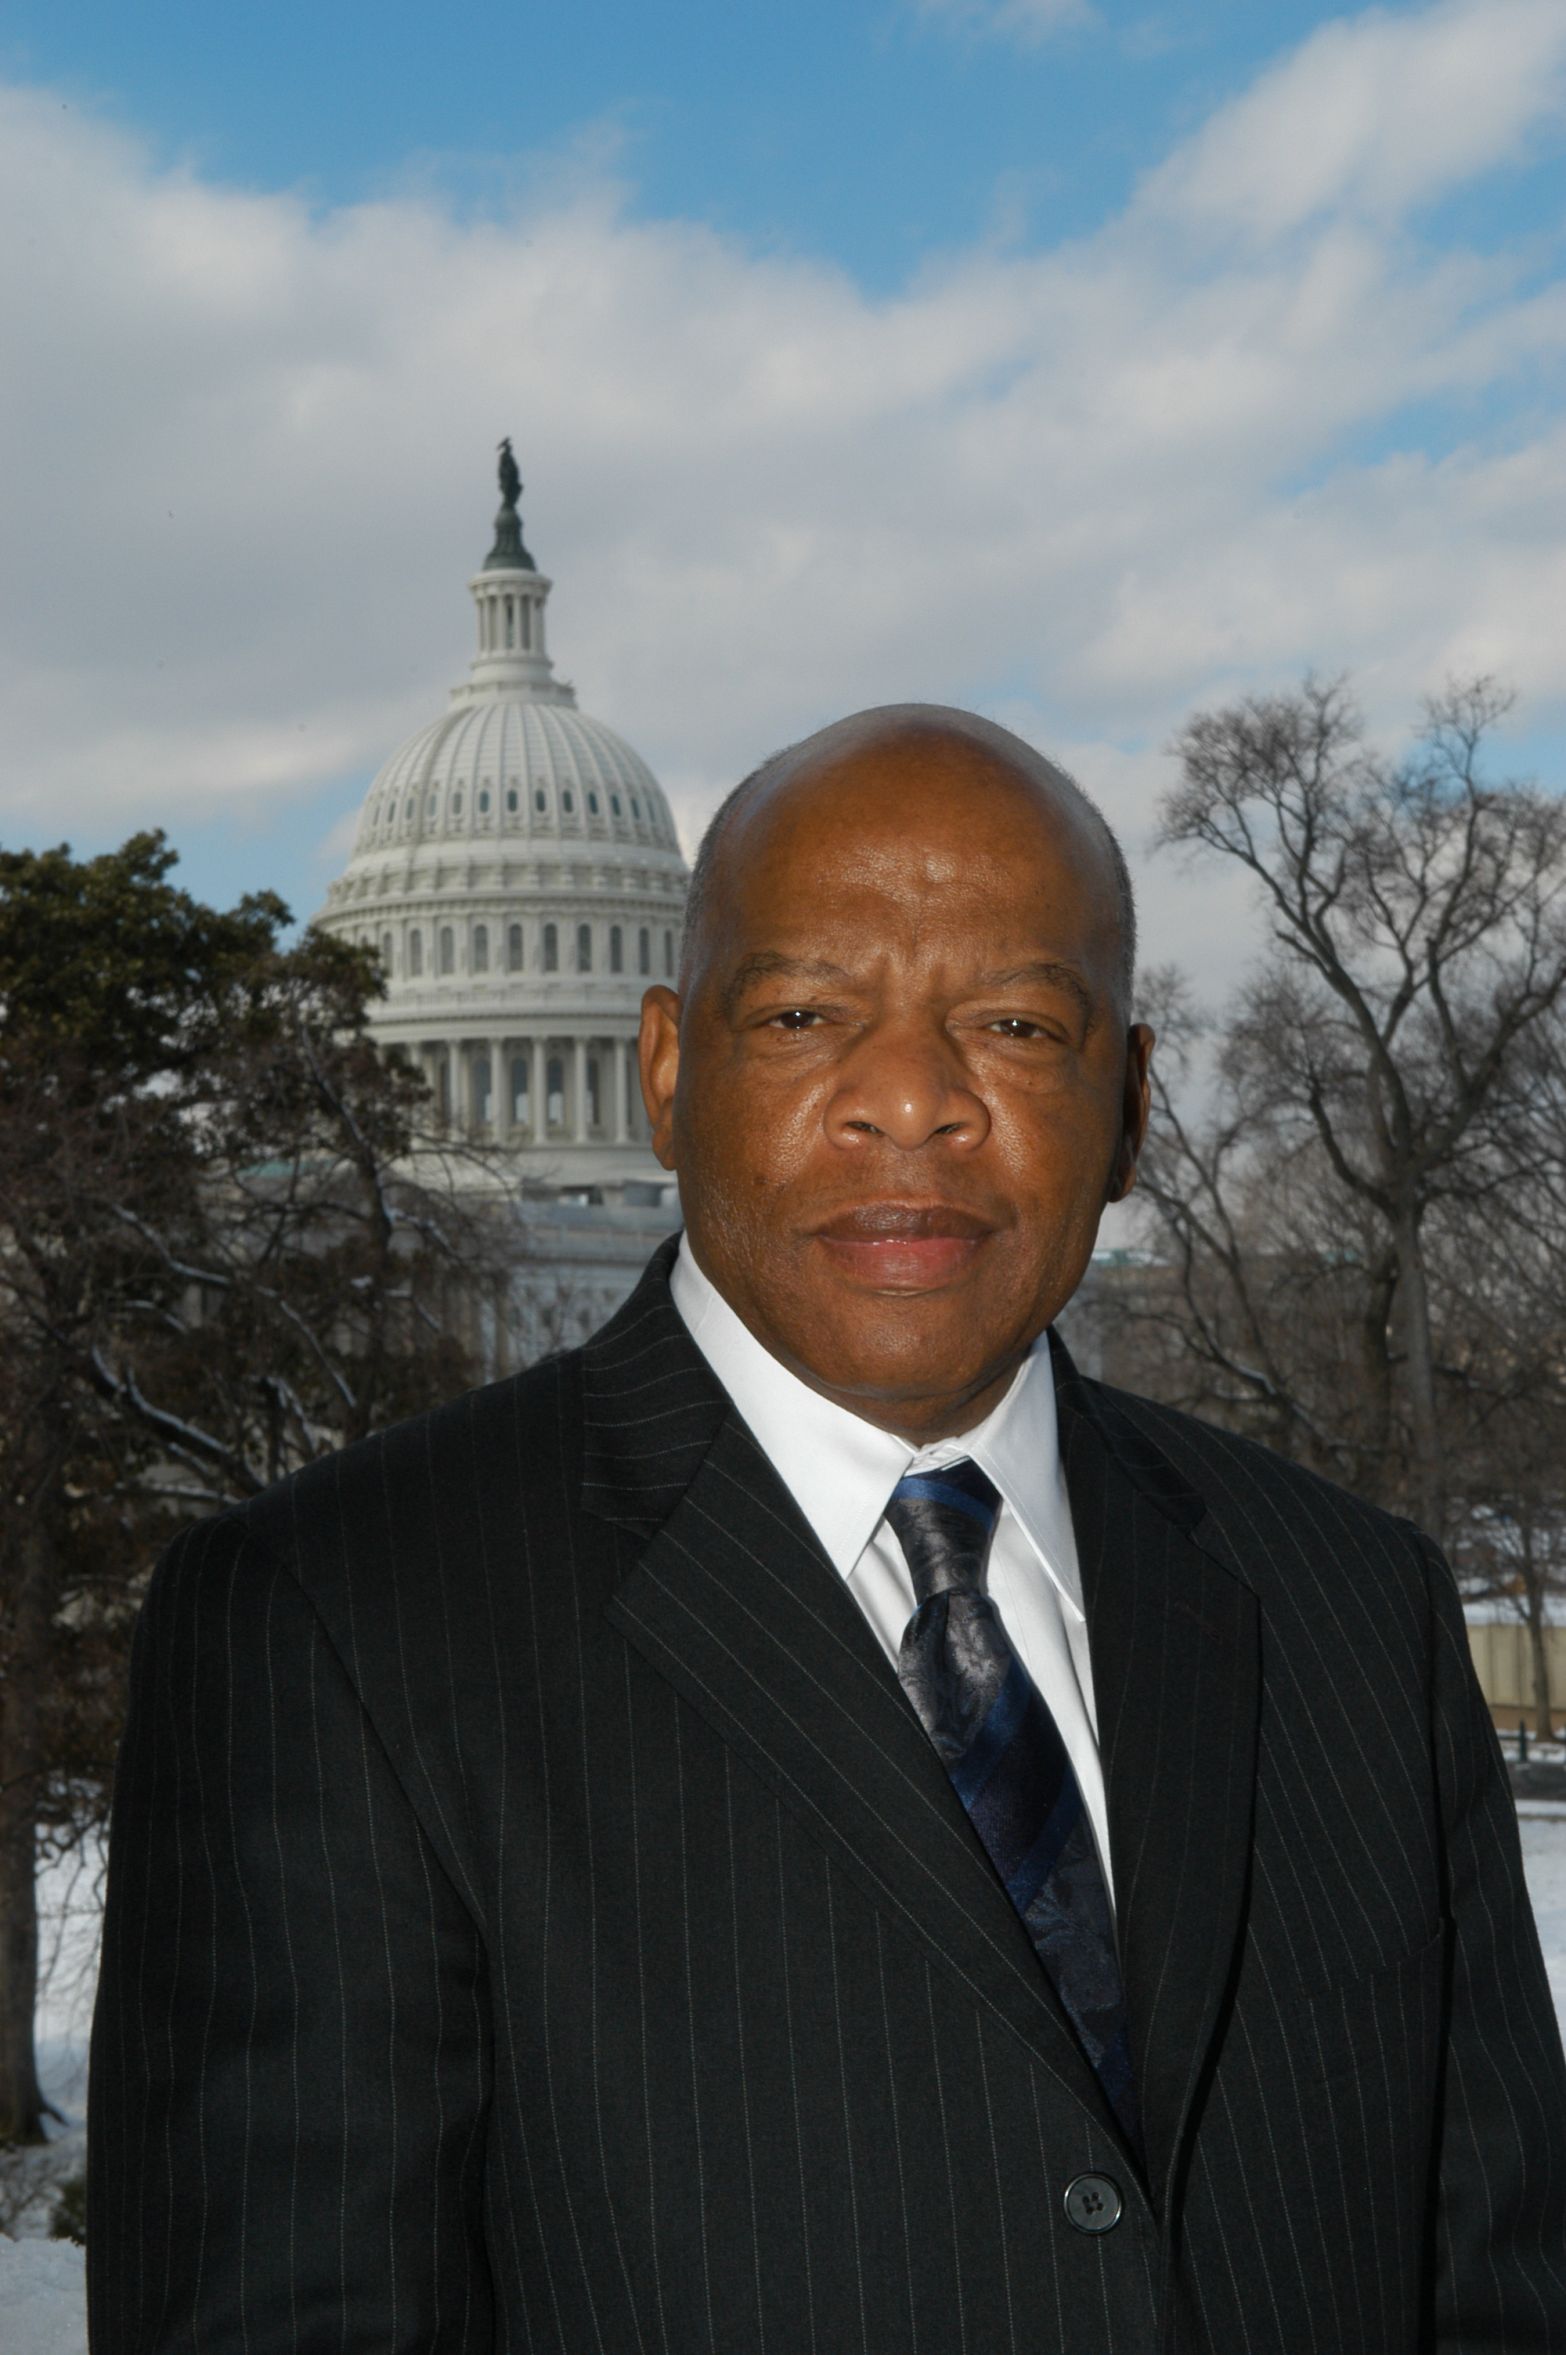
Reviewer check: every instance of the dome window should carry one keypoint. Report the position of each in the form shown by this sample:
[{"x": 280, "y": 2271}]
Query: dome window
[
  {"x": 614, "y": 803},
  {"x": 519, "y": 1090},
  {"x": 456, "y": 803},
  {"x": 644, "y": 950},
  {"x": 388, "y": 953},
  {"x": 448, "y": 949},
  {"x": 551, "y": 948},
  {"x": 616, "y": 949},
  {"x": 408, "y": 812},
  {"x": 636, "y": 809},
  {"x": 415, "y": 952},
  {"x": 484, "y": 803},
  {"x": 538, "y": 798},
  {"x": 568, "y": 799},
  {"x": 481, "y": 948},
  {"x": 592, "y": 804},
  {"x": 668, "y": 955},
  {"x": 554, "y": 1092},
  {"x": 429, "y": 807},
  {"x": 584, "y": 948},
  {"x": 514, "y": 948},
  {"x": 511, "y": 801}
]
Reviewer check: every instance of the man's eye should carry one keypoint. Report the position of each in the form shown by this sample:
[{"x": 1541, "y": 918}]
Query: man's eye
[
  {"x": 1017, "y": 1026},
  {"x": 796, "y": 1017}
]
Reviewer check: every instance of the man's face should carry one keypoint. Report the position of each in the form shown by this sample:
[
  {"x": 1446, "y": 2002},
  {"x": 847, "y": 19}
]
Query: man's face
[{"x": 900, "y": 1087}]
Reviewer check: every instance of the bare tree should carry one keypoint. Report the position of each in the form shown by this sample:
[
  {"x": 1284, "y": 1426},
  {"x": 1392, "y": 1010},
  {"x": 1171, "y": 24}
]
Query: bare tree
[
  {"x": 1417, "y": 921},
  {"x": 1498, "y": 1272},
  {"x": 309, "y": 1291},
  {"x": 1264, "y": 1305}
]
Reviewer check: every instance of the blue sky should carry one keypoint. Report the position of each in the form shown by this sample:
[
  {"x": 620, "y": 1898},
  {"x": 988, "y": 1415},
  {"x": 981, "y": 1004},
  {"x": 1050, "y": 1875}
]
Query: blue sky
[
  {"x": 874, "y": 134},
  {"x": 1083, "y": 363}
]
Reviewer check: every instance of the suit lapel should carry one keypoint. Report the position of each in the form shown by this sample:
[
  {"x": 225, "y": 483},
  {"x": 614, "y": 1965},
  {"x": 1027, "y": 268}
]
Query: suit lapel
[
  {"x": 731, "y": 1598},
  {"x": 1175, "y": 1642}
]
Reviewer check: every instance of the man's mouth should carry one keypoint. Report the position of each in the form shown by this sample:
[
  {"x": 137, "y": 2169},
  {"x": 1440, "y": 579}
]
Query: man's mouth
[{"x": 904, "y": 1246}]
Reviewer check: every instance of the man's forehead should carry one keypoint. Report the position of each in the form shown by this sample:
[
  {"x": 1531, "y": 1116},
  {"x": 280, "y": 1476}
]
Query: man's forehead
[
  {"x": 896, "y": 810},
  {"x": 929, "y": 810},
  {"x": 840, "y": 835}
]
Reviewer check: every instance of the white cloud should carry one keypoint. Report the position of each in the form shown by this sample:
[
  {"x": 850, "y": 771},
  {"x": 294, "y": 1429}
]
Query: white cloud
[
  {"x": 1373, "y": 114},
  {"x": 251, "y": 450}
]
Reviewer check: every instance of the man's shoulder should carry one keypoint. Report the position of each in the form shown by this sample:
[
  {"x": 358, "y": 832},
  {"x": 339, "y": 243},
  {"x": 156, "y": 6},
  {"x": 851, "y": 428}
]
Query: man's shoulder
[
  {"x": 1238, "y": 1479},
  {"x": 421, "y": 1512},
  {"x": 483, "y": 1450}
]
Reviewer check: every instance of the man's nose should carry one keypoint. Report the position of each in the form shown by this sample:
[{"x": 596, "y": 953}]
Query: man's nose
[{"x": 906, "y": 1082}]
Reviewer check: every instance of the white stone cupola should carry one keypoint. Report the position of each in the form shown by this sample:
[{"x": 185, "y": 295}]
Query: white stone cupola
[{"x": 511, "y": 593}]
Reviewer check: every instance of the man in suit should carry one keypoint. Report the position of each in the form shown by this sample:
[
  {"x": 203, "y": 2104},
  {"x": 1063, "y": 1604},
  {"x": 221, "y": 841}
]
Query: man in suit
[{"x": 804, "y": 1824}]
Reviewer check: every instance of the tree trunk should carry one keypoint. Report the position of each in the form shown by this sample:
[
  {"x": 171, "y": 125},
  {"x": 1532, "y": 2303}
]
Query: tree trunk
[
  {"x": 22, "y": 2105},
  {"x": 1375, "y": 1450},
  {"x": 1429, "y": 1476},
  {"x": 1539, "y": 1658}
]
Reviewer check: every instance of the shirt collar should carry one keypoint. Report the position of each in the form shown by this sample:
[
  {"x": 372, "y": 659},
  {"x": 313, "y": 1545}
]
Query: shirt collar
[{"x": 840, "y": 1470}]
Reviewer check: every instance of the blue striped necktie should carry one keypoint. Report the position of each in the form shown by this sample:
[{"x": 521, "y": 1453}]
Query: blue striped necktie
[{"x": 1003, "y": 1751}]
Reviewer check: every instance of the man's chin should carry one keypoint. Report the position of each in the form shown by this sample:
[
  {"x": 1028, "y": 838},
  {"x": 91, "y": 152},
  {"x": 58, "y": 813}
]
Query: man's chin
[{"x": 895, "y": 1348}]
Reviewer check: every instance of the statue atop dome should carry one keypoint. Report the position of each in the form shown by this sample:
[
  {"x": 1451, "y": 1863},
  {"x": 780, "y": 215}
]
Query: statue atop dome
[{"x": 508, "y": 554}]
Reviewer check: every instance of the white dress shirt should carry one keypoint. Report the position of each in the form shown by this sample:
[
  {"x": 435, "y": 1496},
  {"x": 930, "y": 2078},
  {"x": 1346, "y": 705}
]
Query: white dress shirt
[{"x": 841, "y": 1471}]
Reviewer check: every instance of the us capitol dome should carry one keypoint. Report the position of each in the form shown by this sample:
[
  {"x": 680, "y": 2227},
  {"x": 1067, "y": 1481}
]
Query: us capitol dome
[{"x": 518, "y": 872}]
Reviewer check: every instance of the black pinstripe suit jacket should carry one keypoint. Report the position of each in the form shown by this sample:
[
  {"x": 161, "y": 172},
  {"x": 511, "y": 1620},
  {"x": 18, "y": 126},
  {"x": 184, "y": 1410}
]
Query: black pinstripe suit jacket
[{"x": 537, "y": 1921}]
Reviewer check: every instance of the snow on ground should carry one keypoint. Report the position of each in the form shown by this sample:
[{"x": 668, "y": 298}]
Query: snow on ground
[
  {"x": 41, "y": 2297},
  {"x": 42, "y": 2302},
  {"x": 70, "y": 1906}
]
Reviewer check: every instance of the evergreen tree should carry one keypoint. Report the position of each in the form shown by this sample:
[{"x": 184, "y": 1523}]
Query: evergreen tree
[{"x": 228, "y": 1242}]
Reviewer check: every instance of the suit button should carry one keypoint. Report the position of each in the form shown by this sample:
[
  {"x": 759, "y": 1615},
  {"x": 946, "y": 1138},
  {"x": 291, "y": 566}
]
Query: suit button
[{"x": 1093, "y": 2203}]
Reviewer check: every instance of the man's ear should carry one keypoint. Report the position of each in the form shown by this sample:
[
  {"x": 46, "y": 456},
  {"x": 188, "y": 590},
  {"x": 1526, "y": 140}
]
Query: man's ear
[
  {"x": 1134, "y": 1111},
  {"x": 658, "y": 1062}
]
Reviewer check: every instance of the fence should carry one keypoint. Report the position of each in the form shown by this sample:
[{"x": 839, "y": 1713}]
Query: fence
[{"x": 1504, "y": 1662}]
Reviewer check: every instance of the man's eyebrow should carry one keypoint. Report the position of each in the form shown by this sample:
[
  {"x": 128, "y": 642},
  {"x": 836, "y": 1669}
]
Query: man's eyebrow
[
  {"x": 1053, "y": 975},
  {"x": 772, "y": 965}
]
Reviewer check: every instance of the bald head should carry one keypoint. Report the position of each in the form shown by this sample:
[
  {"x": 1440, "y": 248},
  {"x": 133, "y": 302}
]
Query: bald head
[
  {"x": 899, "y": 1082},
  {"x": 987, "y": 751}
]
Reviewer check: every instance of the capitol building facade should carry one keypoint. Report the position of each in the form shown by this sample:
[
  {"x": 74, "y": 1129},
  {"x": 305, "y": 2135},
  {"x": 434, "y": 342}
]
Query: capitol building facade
[{"x": 518, "y": 873}]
